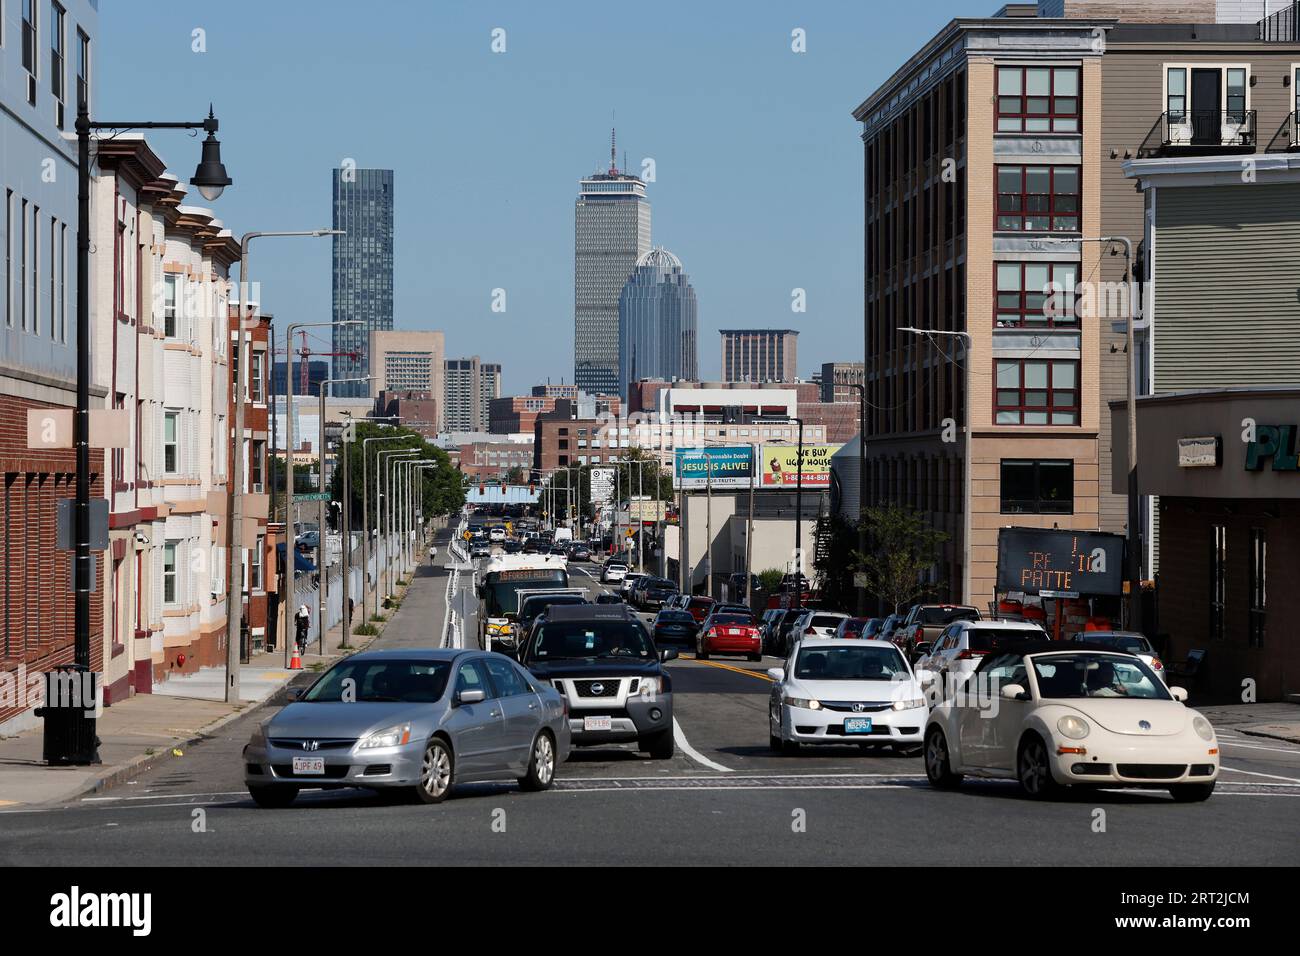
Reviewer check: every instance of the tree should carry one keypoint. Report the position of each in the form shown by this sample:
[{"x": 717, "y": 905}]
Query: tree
[
  {"x": 835, "y": 563},
  {"x": 442, "y": 490},
  {"x": 517, "y": 476},
  {"x": 770, "y": 579},
  {"x": 902, "y": 549}
]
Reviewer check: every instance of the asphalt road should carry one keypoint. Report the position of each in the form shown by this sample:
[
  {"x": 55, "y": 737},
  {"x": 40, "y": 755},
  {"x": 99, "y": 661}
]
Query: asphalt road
[{"x": 724, "y": 798}]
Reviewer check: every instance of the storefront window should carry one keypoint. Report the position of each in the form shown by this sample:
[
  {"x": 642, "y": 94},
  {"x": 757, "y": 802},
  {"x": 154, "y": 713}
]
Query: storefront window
[
  {"x": 1258, "y": 584},
  {"x": 1218, "y": 579}
]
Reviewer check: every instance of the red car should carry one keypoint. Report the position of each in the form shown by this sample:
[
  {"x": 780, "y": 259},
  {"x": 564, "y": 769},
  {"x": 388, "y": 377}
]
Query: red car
[
  {"x": 729, "y": 634},
  {"x": 700, "y": 608}
]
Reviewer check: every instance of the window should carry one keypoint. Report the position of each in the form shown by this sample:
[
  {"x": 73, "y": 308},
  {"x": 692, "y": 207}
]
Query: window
[
  {"x": 256, "y": 466},
  {"x": 54, "y": 276},
  {"x": 1038, "y": 198},
  {"x": 507, "y": 681},
  {"x": 1038, "y": 99},
  {"x": 256, "y": 371},
  {"x": 169, "y": 573},
  {"x": 1176, "y": 96},
  {"x": 171, "y": 445},
  {"x": 8, "y": 291},
  {"x": 1035, "y": 392},
  {"x": 56, "y": 61},
  {"x": 255, "y": 564},
  {"x": 1218, "y": 579},
  {"x": 170, "y": 283},
  {"x": 63, "y": 283},
  {"x": 1236, "y": 95},
  {"x": 30, "y": 37},
  {"x": 1258, "y": 585},
  {"x": 1036, "y": 294},
  {"x": 22, "y": 266},
  {"x": 83, "y": 67},
  {"x": 1037, "y": 487}
]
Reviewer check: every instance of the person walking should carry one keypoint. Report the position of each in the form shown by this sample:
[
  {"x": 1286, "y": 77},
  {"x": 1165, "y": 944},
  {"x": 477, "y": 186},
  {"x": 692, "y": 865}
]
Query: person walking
[{"x": 433, "y": 552}]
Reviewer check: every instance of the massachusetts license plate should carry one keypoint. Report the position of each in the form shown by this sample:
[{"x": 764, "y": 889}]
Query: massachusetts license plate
[
  {"x": 857, "y": 725},
  {"x": 598, "y": 723},
  {"x": 308, "y": 765}
]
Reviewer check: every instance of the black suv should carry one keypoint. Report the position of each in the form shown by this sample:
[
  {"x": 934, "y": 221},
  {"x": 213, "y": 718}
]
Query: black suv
[{"x": 604, "y": 662}]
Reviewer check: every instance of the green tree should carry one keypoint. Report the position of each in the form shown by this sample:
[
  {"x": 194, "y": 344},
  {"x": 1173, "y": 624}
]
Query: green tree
[
  {"x": 442, "y": 488},
  {"x": 770, "y": 579},
  {"x": 901, "y": 549}
]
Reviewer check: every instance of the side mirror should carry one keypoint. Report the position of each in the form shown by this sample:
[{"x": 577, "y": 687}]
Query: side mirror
[
  {"x": 470, "y": 697},
  {"x": 1013, "y": 692},
  {"x": 776, "y": 673},
  {"x": 922, "y": 649},
  {"x": 293, "y": 693},
  {"x": 1179, "y": 694},
  {"x": 668, "y": 654}
]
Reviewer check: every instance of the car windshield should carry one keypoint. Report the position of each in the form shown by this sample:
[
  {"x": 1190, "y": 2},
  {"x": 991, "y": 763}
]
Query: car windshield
[
  {"x": 826, "y": 620},
  {"x": 1071, "y": 676},
  {"x": 503, "y": 586},
  {"x": 534, "y": 606},
  {"x": 378, "y": 681},
  {"x": 946, "y": 615},
  {"x": 570, "y": 640},
  {"x": 985, "y": 639},
  {"x": 1128, "y": 643},
  {"x": 850, "y": 663}
]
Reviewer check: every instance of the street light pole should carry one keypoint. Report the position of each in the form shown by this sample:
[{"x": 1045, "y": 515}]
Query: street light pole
[
  {"x": 749, "y": 530},
  {"x": 862, "y": 480},
  {"x": 322, "y": 545},
  {"x": 385, "y": 516},
  {"x": 365, "y": 524}
]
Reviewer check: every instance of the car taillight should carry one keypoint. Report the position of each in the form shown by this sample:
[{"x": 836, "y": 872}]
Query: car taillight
[
  {"x": 811, "y": 631},
  {"x": 967, "y": 655},
  {"x": 1155, "y": 663}
]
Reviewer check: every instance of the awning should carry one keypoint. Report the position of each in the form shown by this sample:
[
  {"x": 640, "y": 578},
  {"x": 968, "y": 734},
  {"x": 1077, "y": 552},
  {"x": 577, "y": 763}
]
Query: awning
[{"x": 301, "y": 564}]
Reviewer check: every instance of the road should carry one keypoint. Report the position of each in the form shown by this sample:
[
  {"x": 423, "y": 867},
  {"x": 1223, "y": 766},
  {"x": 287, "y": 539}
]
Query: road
[{"x": 724, "y": 798}]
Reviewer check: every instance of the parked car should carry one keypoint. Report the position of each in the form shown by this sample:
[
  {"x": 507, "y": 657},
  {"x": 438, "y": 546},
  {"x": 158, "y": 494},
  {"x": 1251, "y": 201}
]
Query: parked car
[
  {"x": 651, "y": 592},
  {"x": 1129, "y": 642},
  {"x": 814, "y": 623},
  {"x": 1070, "y": 715},
  {"x": 613, "y": 572},
  {"x": 840, "y": 692},
  {"x": 785, "y": 632},
  {"x": 732, "y": 608},
  {"x": 629, "y": 581},
  {"x": 925, "y": 622},
  {"x": 609, "y": 597},
  {"x": 308, "y": 539},
  {"x": 674, "y": 627},
  {"x": 852, "y": 627},
  {"x": 729, "y": 633},
  {"x": 961, "y": 647},
  {"x": 700, "y": 606},
  {"x": 872, "y": 629},
  {"x": 610, "y": 672},
  {"x": 889, "y": 628},
  {"x": 419, "y": 720}
]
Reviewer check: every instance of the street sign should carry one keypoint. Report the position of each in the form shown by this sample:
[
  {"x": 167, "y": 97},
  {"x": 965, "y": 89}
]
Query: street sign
[
  {"x": 313, "y": 496},
  {"x": 1038, "y": 560},
  {"x": 63, "y": 524},
  {"x": 602, "y": 485}
]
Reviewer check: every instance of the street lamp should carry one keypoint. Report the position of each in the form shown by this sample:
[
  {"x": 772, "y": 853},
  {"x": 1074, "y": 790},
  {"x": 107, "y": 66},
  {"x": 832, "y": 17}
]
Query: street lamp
[
  {"x": 384, "y": 459},
  {"x": 210, "y": 177},
  {"x": 967, "y": 521},
  {"x": 290, "y": 525},
  {"x": 406, "y": 509},
  {"x": 211, "y": 171},
  {"x": 365, "y": 521},
  {"x": 861, "y": 388}
]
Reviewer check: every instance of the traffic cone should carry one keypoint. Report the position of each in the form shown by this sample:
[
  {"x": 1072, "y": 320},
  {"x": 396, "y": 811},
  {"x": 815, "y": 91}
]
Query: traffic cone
[{"x": 295, "y": 662}]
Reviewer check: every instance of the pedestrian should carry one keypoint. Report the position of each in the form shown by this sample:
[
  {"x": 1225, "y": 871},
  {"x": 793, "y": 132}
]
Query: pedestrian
[
  {"x": 302, "y": 620},
  {"x": 433, "y": 552}
]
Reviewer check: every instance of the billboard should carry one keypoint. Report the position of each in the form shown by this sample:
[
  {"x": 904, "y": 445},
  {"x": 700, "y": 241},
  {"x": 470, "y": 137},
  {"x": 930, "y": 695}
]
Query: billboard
[
  {"x": 1044, "y": 559},
  {"x": 722, "y": 467},
  {"x": 780, "y": 467}
]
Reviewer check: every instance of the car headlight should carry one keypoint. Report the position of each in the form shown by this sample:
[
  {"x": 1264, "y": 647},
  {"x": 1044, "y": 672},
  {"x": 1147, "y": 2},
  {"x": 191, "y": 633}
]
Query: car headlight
[
  {"x": 394, "y": 736},
  {"x": 1203, "y": 728},
  {"x": 802, "y": 702},
  {"x": 649, "y": 685},
  {"x": 1076, "y": 728},
  {"x": 909, "y": 704}
]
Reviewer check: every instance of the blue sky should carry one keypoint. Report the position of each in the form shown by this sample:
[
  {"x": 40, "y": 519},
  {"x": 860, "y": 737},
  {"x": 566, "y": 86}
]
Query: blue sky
[{"x": 758, "y": 161}]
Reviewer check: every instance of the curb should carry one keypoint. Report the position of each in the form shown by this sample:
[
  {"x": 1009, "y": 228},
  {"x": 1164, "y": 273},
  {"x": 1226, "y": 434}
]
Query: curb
[{"x": 1293, "y": 739}]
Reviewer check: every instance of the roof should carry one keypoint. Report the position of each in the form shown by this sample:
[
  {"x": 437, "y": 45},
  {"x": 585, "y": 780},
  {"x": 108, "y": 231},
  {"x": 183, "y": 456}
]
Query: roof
[
  {"x": 588, "y": 612},
  {"x": 409, "y": 654},
  {"x": 1000, "y": 625},
  {"x": 1063, "y": 647},
  {"x": 844, "y": 642}
]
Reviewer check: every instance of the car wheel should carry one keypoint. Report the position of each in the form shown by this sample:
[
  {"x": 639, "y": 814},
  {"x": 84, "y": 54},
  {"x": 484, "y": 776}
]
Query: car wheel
[
  {"x": 790, "y": 748},
  {"x": 273, "y": 798},
  {"x": 541, "y": 768},
  {"x": 755, "y": 657},
  {"x": 1034, "y": 770},
  {"x": 1191, "y": 792},
  {"x": 659, "y": 746},
  {"x": 700, "y": 653},
  {"x": 938, "y": 766},
  {"x": 437, "y": 772}
]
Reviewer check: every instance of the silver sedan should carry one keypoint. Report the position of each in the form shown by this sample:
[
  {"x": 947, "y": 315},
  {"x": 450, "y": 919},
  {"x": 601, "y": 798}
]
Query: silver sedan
[{"x": 422, "y": 720}]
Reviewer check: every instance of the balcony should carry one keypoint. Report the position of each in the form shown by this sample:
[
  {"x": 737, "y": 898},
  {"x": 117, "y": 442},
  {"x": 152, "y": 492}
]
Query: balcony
[{"x": 1205, "y": 133}]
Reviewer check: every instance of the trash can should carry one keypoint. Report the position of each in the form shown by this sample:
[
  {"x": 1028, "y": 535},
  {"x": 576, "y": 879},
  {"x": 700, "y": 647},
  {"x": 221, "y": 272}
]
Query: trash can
[{"x": 71, "y": 694}]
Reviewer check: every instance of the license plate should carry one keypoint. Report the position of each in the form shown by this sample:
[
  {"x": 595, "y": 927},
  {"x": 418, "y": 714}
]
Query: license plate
[
  {"x": 598, "y": 723},
  {"x": 857, "y": 725},
  {"x": 308, "y": 765}
]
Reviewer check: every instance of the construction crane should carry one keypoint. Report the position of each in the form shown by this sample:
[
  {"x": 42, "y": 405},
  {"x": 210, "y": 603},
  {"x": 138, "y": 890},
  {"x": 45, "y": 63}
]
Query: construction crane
[{"x": 305, "y": 354}]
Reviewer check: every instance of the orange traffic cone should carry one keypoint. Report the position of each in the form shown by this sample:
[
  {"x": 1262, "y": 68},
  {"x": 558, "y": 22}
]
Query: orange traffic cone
[{"x": 295, "y": 662}]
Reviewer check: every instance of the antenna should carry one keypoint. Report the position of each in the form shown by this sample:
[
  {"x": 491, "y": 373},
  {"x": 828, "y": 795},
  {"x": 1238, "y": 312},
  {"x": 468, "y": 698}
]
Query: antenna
[{"x": 613, "y": 165}]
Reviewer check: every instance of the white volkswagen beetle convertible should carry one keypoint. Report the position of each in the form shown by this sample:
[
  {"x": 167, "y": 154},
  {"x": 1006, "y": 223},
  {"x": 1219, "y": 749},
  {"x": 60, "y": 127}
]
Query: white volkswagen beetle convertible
[{"x": 1053, "y": 715}]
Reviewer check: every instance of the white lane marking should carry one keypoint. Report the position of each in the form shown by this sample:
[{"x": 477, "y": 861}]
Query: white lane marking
[
  {"x": 680, "y": 737},
  {"x": 1252, "y": 773},
  {"x": 760, "y": 776},
  {"x": 801, "y": 786}
]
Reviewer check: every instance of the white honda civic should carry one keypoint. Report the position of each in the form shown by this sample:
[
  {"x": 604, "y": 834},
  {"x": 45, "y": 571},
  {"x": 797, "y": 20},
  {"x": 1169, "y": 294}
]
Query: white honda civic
[
  {"x": 1052, "y": 715},
  {"x": 845, "y": 692}
]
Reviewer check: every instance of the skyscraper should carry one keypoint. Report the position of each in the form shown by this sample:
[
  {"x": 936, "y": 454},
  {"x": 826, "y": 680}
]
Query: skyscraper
[
  {"x": 759, "y": 355},
  {"x": 657, "y": 322},
  {"x": 470, "y": 385},
  {"x": 611, "y": 232},
  {"x": 362, "y": 268}
]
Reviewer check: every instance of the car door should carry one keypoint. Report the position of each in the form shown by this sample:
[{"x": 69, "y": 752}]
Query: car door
[
  {"x": 477, "y": 729},
  {"x": 1009, "y": 715},
  {"x": 981, "y": 707},
  {"x": 521, "y": 713}
]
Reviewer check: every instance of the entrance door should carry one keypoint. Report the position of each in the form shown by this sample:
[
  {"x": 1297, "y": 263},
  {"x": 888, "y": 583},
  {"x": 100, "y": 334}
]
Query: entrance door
[{"x": 1207, "y": 118}]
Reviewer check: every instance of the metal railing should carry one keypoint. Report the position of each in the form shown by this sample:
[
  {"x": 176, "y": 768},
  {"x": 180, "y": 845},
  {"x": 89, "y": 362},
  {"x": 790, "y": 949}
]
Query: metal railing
[
  {"x": 1283, "y": 26},
  {"x": 1208, "y": 130}
]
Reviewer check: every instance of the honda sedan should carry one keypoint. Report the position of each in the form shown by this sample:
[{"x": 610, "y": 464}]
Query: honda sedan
[{"x": 415, "y": 720}]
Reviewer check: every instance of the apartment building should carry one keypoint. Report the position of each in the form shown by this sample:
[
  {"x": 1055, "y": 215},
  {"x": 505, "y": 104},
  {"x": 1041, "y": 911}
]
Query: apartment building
[
  {"x": 469, "y": 387},
  {"x": 408, "y": 362},
  {"x": 838, "y": 380}
]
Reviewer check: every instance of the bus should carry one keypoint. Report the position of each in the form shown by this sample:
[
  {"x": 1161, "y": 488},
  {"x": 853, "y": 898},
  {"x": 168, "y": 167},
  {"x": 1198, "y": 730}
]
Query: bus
[{"x": 505, "y": 576}]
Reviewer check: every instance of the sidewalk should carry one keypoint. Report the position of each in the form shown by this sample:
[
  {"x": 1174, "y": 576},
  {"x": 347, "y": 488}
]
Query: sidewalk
[
  {"x": 144, "y": 729},
  {"x": 1277, "y": 721}
]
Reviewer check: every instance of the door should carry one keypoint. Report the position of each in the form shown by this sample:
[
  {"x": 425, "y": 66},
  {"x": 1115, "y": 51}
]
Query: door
[
  {"x": 1207, "y": 119},
  {"x": 520, "y": 712},
  {"x": 477, "y": 729}
]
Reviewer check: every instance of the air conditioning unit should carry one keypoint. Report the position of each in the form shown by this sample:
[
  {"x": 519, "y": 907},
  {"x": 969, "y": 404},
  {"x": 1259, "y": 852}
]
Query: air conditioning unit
[{"x": 257, "y": 488}]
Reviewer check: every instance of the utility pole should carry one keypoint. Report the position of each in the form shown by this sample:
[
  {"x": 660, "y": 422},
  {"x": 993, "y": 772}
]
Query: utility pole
[{"x": 749, "y": 530}]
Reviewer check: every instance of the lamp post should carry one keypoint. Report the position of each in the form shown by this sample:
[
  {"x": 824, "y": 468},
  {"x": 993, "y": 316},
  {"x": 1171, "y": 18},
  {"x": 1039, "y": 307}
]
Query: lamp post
[
  {"x": 798, "y": 519},
  {"x": 1134, "y": 536},
  {"x": 406, "y": 514},
  {"x": 235, "y": 476},
  {"x": 749, "y": 529},
  {"x": 290, "y": 525},
  {"x": 211, "y": 179},
  {"x": 861, "y": 388},
  {"x": 967, "y": 522},
  {"x": 365, "y": 522},
  {"x": 385, "y": 460},
  {"x": 321, "y": 541}
]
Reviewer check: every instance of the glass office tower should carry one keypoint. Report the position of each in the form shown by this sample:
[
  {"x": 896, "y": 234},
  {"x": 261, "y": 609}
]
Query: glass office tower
[
  {"x": 657, "y": 321},
  {"x": 362, "y": 269}
]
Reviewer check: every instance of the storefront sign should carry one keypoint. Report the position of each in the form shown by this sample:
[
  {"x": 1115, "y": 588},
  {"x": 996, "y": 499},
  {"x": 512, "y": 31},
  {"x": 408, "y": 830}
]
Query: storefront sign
[
  {"x": 1035, "y": 560},
  {"x": 1274, "y": 444},
  {"x": 1198, "y": 452},
  {"x": 781, "y": 467}
]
